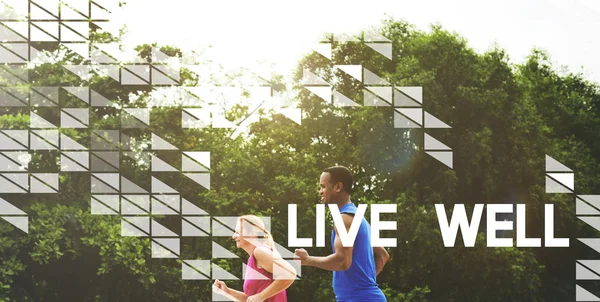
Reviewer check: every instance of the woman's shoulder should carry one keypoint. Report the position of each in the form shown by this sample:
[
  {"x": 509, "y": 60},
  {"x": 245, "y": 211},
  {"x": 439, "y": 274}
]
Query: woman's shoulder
[{"x": 262, "y": 250}]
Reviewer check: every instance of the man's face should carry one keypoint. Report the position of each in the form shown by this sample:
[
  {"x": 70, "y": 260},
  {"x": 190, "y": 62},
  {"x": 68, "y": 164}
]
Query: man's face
[{"x": 327, "y": 190}]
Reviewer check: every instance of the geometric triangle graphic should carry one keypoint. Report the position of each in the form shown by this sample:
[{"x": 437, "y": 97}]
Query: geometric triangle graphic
[
  {"x": 82, "y": 49},
  {"x": 189, "y": 208},
  {"x": 135, "y": 226},
  {"x": 592, "y": 221},
  {"x": 581, "y": 294},
  {"x": 221, "y": 252},
  {"x": 249, "y": 273},
  {"x": 13, "y": 183},
  {"x": 553, "y": 186},
  {"x": 38, "y": 35},
  {"x": 415, "y": 93},
  {"x": 159, "y": 251},
  {"x": 445, "y": 157},
  {"x": 202, "y": 157},
  {"x": 203, "y": 266},
  {"x": 401, "y": 121},
  {"x": 354, "y": 71},
  {"x": 341, "y": 100},
  {"x": 323, "y": 92},
  {"x": 142, "y": 114},
  {"x": 372, "y": 36},
  {"x": 190, "y": 230},
  {"x": 161, "y": 231},
  {"x": 383, "y": 92},
  {"x": 433, "y": 144},
  {"x": 323, "y": 48},
  {"x": 100, "y": 101},
  {"x": 7, "y": 208},
  {"x": 39, "y": 140},
  {"x": 221, "y": 230},
  {"x": 160, "y": 187},
  {"x": 433, "y": 122},
  {"x": 100, "y": 187},
  {"x": 138, "y": 201},
  {"x": 383, "y": 48},
  {"x": 160, "y": 144},
  {"x": 68, "y": 13},
  {"x": 593, "y": 265},
  {"x": 591, "y": 199},
  {"x": 221, "y": 274},
  {"x": 39, "y": 14},
  {"x": 372, "y": 100},
  {"x": 158, "y": 165},
  {"x": 172, "y": 201},
  {"x": 109, "y": 201},
  {"x": 7, "y": 33},
  {"x": 566, "y": 179},
  {"x": 20, "y": 28},
  {"x": 373, "y": 79},
  {"x": 284, "y": 252},
  {"x": 199, "y": 222},
  {"x": 415, "y": 114},
  {"x": 552, "y": 165},
  {"x": 36, "y": 121},
  {"x": 131, "y": 208},
  {"x": 111, "y": 179},
  {"x": 82, "y": 71},
  {"x": 22, "y": 223},
  {"x": 98, "y": 208},
  {"x": 582, "y": 208},
  {"x": 190, "y": 270},
  {"x": 401, "y": 100},
  {"x": 309, "y": 78},
  {"x": 161, "y": 209},
  {"x": 190, "y": 165},
  {"x": 74, "y": 31},
  {"x": 67, "y": 121},
  {"x": 127, "y": 186},
  {"x": 202, "y": 179},
  {"x": 582, "y": 273},
  {"x": 591, "y": 242},
  {"x": 82, "y": 93},
  {"x": 42, "y": 184}
]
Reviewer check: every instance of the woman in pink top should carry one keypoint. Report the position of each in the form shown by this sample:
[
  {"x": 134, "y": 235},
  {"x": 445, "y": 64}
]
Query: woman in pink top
[{"x": 267, "y": 275}]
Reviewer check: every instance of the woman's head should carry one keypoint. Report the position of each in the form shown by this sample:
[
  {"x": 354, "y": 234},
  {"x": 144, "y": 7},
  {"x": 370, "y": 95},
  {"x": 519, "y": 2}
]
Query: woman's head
[{"x": 250, "y": 230}]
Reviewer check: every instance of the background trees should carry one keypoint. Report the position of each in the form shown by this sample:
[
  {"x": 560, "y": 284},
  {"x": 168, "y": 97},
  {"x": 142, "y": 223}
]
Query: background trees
[{"x": 505, "y": 117}]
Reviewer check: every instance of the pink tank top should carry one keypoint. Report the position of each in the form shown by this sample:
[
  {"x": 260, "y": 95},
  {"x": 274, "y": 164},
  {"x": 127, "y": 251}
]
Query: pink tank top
[{"x": 255, "y": 283}]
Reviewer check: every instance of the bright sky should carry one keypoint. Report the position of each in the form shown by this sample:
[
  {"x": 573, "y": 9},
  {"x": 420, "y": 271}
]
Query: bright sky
[{"x": 244, "y": 31}]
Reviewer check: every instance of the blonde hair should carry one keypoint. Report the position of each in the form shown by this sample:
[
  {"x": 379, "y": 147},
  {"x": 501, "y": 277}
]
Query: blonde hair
[{"x": 258, "y": 223}]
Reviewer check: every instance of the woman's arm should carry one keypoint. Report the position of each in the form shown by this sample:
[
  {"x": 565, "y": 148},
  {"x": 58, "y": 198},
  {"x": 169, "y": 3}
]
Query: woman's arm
[
  {"x": 238, "y": 295},
  {"x": 283, "y": 273}
]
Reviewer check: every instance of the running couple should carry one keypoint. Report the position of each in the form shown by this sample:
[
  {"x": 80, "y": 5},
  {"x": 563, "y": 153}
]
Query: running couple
[{"x": 355, "y": 268}]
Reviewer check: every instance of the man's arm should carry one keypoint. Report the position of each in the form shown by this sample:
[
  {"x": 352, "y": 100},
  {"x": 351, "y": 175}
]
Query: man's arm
[
  {"x": 381, "y": 257},
  {"x": 340, "y": 260}
]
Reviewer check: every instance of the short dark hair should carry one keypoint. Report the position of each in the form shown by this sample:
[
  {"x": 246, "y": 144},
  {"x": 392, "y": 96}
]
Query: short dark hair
[{"x": 343, "y": 175}]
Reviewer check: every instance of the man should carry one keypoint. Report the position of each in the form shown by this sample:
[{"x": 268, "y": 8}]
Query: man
[{"x": 356, "y": 267}]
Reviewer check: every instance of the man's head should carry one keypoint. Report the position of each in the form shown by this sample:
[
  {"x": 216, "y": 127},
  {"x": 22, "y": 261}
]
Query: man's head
[{"x": 336, "y": 184}]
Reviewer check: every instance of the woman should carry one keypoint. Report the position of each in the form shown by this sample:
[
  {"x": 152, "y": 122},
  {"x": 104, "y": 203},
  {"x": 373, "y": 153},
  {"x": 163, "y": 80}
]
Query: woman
[{"x": 268, "y": 275}]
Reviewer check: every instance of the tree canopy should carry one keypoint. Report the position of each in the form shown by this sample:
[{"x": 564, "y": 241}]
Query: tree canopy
[{"x": 505, "y": 118}]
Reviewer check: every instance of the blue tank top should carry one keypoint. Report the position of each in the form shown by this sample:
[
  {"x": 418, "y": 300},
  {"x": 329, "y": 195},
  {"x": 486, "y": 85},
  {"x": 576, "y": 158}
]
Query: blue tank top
[{"x": 359, "y": 282}]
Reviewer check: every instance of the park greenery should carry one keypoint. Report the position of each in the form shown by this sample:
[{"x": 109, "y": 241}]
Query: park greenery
[{"x": 505, "y": 117}]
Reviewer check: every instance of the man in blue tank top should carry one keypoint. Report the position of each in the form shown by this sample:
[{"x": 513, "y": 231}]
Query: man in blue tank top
[{"x": 356, "y": 267}]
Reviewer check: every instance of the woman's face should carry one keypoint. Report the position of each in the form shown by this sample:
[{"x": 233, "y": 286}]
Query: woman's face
[{"x": 237, "y": 236}]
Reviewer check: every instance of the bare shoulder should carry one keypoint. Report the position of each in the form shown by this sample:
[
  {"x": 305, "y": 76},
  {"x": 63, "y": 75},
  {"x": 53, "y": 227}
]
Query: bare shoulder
[{"x": 263, "y": 253}]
